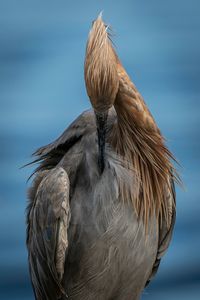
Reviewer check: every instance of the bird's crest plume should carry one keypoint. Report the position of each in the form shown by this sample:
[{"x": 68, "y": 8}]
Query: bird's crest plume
[{"x": 101, "y": 76}]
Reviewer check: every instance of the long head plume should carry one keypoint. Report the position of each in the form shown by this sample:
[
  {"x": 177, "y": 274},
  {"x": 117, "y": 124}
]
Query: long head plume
[
  {"x": 135, "y": 136},
  {"x": 101, "y": 76}
]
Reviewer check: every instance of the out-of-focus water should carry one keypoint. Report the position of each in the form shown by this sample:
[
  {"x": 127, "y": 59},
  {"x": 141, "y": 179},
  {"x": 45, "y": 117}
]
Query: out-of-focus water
[{"x": 42, "y": 46}]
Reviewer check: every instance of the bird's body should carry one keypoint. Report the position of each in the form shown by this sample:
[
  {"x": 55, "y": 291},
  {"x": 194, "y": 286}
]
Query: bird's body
[{"x": 91, "y": 233}]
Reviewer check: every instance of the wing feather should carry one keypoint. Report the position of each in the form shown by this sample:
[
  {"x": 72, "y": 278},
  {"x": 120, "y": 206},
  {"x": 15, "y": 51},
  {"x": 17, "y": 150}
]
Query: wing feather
[{"x": 47, "y": 240}]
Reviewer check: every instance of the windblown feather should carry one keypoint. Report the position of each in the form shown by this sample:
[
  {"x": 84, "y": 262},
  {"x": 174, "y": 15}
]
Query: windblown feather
[{"x": 135, "y": 135}]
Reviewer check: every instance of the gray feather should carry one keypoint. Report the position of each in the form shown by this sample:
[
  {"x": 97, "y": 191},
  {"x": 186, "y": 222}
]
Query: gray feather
[
  {"x": 89, "y": 244},
  {"x": 47, "y": 241}
]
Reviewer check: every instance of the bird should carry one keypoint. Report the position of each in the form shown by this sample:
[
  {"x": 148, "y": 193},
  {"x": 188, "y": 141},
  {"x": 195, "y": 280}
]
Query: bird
[{"x": 102, "y": 206}]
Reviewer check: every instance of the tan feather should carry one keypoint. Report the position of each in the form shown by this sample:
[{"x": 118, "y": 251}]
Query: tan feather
[
  {"x": 135, "y": 136},
  {"x": 101, "y": 78}
]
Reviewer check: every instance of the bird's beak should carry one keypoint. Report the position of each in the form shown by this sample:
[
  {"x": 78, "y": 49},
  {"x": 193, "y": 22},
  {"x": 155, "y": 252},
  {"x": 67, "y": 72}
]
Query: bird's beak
[{"x": 101, "y": 121}]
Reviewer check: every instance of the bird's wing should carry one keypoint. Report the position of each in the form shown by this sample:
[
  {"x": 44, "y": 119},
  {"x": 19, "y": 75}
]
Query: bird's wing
[
  {"x": 47, "y": 239},
  {"x": 165, "y": 230}
]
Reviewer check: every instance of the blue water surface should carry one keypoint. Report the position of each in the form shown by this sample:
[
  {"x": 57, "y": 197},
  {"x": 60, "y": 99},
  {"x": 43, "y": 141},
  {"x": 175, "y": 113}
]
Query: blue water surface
[{"x": 42, "y": 45}]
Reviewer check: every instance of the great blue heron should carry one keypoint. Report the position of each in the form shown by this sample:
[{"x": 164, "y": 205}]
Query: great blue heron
[{"x": 102, "y": 204}]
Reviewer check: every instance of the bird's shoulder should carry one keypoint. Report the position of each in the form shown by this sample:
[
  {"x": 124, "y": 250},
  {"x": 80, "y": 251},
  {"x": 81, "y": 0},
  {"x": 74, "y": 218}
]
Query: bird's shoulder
[{"x": 82, "y": 125}]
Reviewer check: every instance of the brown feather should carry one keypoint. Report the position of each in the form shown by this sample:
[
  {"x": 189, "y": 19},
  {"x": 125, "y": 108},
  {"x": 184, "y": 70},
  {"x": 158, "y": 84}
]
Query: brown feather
[
  {"x": 100, "y": 77},
  {"x": 135, "y": 136}
]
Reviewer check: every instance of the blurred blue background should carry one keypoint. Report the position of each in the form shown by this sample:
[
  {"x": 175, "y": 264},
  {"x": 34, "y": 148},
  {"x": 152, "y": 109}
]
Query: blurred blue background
[{"x": 42, "y": 45}]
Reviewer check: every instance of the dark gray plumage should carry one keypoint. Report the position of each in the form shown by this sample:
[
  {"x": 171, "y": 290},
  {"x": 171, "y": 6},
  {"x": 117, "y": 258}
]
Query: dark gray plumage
[
  {"x": 108, "y": 255},
  {"x": 102, "y": 204}
]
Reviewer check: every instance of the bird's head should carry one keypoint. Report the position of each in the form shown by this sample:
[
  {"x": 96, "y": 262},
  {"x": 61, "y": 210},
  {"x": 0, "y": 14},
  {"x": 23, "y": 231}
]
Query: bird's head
[{"x": 101, "y": 77}]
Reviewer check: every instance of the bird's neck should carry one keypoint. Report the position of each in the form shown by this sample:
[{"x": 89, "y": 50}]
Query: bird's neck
[{"x": 138, "y": 140}]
